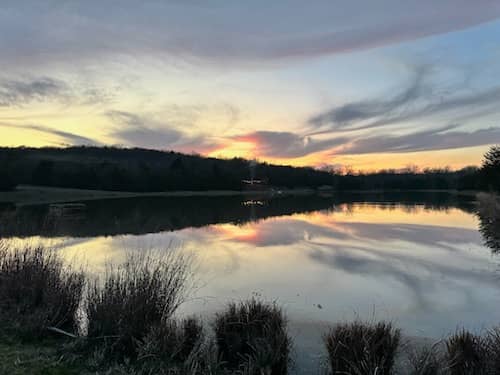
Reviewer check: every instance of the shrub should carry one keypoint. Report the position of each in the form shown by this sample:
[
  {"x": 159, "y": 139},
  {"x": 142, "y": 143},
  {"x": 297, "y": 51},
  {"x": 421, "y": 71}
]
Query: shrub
[
  {"x": 37, "y": 291},
  {"x": 361, "y": 348},
  {"x": 253, "y": 335},
  {"x": 466, "y": 354},
  {"x": 135, "y": 298}
]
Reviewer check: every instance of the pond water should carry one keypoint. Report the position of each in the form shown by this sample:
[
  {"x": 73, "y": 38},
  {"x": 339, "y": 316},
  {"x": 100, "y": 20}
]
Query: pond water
[{"x": 418, "y": 260}]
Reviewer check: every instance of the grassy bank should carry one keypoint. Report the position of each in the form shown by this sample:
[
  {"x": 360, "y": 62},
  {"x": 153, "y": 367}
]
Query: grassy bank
[
  {"x": 57, "y": 320},
  {"x": 37, "y": 195},
  {"x": 29, "y": 195}
]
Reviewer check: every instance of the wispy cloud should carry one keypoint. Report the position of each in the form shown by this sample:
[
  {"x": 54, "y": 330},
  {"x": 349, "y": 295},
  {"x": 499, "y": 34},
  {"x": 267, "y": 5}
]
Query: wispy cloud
[
  {"x": 291, "y": 145},
  {"x": 353, "y": 115},
  {"x": 231, "y": 31},
  {"x": 435, "y": 139},
  {"x": 66, "y": 137},
  {"x": 139, "y": 131},
  {"x": 420, "y": 100},
  {"x": 20, "y": 92},
  {"x": 287, "y": 144},
  {"x": 24, "y": 91},
  {"x": 144, "y": 131}
]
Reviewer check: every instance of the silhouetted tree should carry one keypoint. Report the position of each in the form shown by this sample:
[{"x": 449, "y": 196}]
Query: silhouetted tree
[
  {"x": 6, "y": 182},
  {"x": 109, "y": 168},
  {"x": 42, "y": 174},
  {"x": 490, "y": 170},
  {"x": 489, "y": 220}
]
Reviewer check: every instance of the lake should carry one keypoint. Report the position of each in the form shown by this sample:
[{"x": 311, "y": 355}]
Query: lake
[{"x": 425, "y": 261}]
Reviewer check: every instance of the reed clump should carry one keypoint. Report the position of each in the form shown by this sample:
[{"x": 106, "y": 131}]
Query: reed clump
[
  {"x": 362, "y": 348},
  {"x": 466, "y": 353},
  {"x": 38, "y": 291},
  {"x": 135, "y": 299},
  {"x": 252, "y": 336},
  {"x": 426, "y": 360}
]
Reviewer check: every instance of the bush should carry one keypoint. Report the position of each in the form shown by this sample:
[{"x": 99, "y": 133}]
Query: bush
[
  {"x": 466, "y": 354},
  {"x": 37, "y": 291},
  {"x": 252, "y": 335},
  {"x": 361, "y": 348},
  {"x": 134, "y": 299}
]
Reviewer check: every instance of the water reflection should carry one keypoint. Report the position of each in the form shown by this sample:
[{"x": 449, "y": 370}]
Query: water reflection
[
  {"x": 489, "y": 225},
  {"x": 417, "y": 259},
  {"x": 153, "y": 215}
]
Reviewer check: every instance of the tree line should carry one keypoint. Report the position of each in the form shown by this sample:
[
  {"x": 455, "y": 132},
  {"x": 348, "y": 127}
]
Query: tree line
[{"x": 142, "y": 170}]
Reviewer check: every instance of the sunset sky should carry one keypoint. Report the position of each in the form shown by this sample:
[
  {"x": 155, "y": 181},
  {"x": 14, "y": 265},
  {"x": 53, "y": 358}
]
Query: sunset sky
[{"x": 359, "y": 83}]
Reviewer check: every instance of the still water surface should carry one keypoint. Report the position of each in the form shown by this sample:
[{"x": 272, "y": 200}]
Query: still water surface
[{"x": 418, "y": 260}]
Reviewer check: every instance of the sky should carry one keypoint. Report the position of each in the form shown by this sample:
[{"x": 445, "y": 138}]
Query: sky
[{"x": 336, "y": 83}]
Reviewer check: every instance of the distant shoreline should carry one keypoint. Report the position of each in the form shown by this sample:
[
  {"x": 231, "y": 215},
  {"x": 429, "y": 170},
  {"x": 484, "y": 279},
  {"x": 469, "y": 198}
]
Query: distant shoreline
[{"x": 32, "y": 195}]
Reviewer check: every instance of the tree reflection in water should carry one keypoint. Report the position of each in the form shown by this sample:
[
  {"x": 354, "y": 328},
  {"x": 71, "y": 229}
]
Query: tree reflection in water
[{"x": 489, "y": 220}]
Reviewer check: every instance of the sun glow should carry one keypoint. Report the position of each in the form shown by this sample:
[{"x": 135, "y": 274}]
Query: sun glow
[
  {"x": 232, "y": 149},
  {"x": 244, "y": 233}
]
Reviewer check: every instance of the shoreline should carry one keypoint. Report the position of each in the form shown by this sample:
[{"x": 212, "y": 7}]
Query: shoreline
[{"x": 25, "y": 195}]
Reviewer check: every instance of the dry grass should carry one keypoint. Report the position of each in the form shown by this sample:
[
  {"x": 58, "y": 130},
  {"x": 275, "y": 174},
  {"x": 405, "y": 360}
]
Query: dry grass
[
  {"x": 252, "y": 337},
  {"x": 135, "y": 298},
  {"x": 493, "y": 350},
  {"x": 425, "y": 360},
  {"x": 172, "y": 341},
  {"x": 467, "y": 354},
  {"x": 362, "y": 349},
  {"x": 37, "y": 290}
]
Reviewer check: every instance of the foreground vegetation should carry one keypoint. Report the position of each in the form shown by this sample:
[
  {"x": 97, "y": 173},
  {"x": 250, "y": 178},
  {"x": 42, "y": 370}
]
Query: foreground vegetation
[
  {"x": 54, "y": 320},
  {"x": 140, "y": 170},
  {"x": 57, "y": 320}
]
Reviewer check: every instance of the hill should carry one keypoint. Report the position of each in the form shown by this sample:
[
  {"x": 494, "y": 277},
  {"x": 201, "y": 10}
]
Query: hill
[{"x": 142, "y": 170}]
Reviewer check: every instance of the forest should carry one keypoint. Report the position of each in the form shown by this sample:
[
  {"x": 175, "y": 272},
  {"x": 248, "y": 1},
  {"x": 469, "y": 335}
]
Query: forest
[{"x": 142, "y": 170}]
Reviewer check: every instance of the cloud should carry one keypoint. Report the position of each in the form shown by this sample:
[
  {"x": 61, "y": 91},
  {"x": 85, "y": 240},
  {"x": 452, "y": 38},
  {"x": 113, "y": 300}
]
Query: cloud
[
  {"x": 419, "y": 274},
  {"x": 420, "y": 100},
  {"x": 138, "y": 131},
  {"x": 70, "y": 138},
  {"x": 287, "y": 144},
  {"x": 291, "y": 145},
  {"x": 19, "y": 92},
  {"x": 351, "y": 113},
  {"x": 434, "y": 139},
  {"x": 143, "y": 131},
  {"x": 244, "y": 32}
]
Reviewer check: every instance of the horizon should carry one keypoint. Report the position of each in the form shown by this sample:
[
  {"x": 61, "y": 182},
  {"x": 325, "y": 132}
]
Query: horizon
[
  {"x": 341, "y": 84},
  {"x": 339, "y": 170}
]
